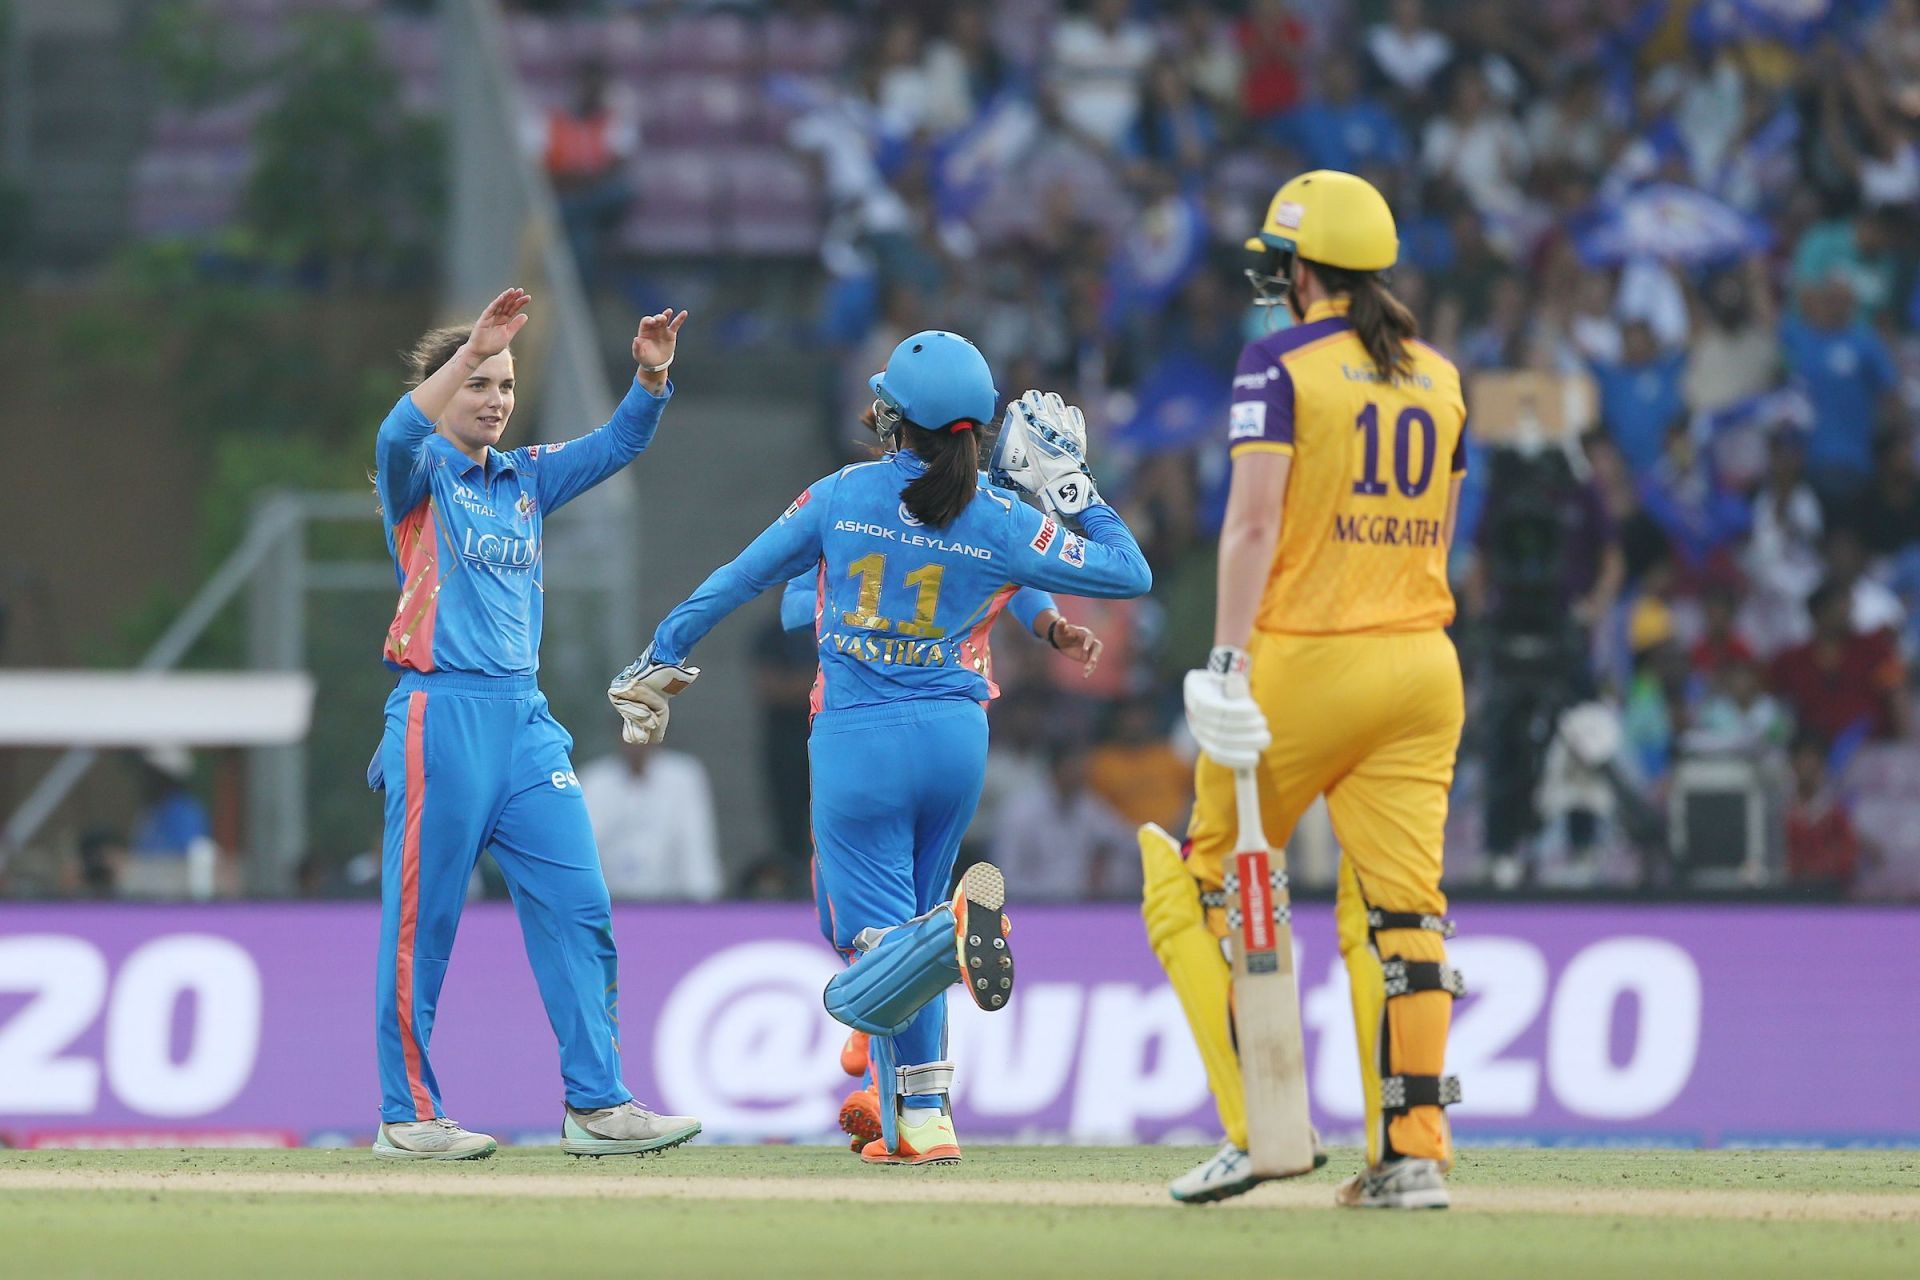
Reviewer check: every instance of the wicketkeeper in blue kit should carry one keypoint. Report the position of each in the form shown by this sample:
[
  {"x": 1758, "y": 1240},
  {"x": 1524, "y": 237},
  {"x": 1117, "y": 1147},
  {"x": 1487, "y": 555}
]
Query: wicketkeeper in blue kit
[
  {"x": 472, "y": 758},
  {"x": 915, "y": 557}
]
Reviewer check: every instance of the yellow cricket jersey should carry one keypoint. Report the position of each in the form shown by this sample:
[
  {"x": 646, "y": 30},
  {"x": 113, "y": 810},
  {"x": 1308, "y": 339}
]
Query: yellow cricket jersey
[{"x": 1362, "y": 537}]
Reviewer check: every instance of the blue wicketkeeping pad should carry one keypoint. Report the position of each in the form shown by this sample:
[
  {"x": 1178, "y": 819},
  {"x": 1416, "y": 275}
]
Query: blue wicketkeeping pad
[{"x": 913, "y": 966}]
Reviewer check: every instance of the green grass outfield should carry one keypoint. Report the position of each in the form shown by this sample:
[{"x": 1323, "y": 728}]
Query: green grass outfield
[{"x": 1007, "y": 1212}]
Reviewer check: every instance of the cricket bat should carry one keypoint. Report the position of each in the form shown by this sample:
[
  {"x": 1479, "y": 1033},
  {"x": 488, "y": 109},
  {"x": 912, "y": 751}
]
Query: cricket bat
[{"x": 1266, "y": 997}]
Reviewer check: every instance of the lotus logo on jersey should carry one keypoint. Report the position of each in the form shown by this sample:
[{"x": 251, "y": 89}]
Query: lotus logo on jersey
[{"x": 500, "y": 550}]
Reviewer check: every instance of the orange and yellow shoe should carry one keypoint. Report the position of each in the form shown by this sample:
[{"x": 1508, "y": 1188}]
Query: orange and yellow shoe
[
  {"x": 926, "y": 1137},
  {"x": 860, "y": 1117},
  {"x": 854, "y": 1055}
]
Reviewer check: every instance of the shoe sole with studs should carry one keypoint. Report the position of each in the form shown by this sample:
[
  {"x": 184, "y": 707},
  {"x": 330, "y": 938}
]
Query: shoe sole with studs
[{"x": 986, "y": 960}]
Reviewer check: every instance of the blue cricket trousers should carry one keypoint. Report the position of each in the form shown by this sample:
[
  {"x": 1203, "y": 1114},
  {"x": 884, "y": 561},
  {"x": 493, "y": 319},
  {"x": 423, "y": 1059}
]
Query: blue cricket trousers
[
  {"x": 470, "y": 762},
  {"x": 894, "y": 789}
]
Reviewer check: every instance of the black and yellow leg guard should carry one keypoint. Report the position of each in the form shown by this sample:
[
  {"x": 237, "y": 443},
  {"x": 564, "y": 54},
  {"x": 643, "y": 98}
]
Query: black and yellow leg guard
[
  {"x": 1403, "y": 991},
  {"x": 1185, "y": 934}
]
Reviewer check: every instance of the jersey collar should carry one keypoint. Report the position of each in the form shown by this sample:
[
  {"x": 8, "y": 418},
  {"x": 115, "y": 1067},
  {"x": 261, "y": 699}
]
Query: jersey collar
[
  {"x": 497, "y": 460},
  {"x": 908, "y": 461},
  {"x": 1327, "y": 307}
]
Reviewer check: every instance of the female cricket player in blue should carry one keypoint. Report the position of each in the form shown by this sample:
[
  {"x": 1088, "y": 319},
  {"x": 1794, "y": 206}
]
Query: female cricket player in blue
[
  {"x": 914, "y": 555},
  {"x": 471, "y": 757}
]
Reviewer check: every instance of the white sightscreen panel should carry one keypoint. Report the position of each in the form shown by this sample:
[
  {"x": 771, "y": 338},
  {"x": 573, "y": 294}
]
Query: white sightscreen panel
[{"x": 138, "y": 709}]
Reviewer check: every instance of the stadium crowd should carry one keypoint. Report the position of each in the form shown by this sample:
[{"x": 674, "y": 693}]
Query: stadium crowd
[{"x": 1702, "y": 212}]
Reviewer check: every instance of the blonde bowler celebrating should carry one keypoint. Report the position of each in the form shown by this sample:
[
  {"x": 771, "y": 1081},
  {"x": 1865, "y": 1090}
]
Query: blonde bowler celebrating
[
  {"x": 1332, "y": 673},
  {"x": 471, "y": 757}
]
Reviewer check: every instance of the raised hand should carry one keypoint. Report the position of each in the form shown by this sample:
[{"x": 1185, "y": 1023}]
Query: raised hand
[
  {"x": 654, "y": 343},
  {"x": 497, "y": 326}
]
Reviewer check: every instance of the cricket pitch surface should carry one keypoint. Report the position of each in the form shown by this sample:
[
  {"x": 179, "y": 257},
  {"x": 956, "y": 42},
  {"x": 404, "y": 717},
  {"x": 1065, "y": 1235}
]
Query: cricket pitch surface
[{"x": 1007, "y": 1212}]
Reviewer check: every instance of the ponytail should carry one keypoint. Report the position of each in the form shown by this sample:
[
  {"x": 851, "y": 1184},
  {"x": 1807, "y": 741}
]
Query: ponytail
[
  {"x": 1381, "y": 321},
  {"x": 939, "y": 494}
]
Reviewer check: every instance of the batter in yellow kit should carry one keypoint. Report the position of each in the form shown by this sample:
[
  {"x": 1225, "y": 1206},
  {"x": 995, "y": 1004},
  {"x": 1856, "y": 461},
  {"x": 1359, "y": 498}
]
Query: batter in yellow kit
[{"x": 1332, "y": 670}]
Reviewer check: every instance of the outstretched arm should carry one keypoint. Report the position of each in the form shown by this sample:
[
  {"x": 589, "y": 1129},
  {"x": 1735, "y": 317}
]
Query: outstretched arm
[
  {"x": 568, "y": 469},
  {"x": 782, "y": 550}
]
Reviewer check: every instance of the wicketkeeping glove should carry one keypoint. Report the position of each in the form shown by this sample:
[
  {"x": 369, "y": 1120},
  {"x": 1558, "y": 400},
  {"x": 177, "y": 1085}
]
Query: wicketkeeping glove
[
  {"x": 640, "y": 695},
  {"x": 1042, "y": 450},
  {"x": 1221, "y": 713}
]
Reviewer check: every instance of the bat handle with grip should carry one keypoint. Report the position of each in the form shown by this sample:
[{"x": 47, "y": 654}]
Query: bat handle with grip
[{"x": 1246, "y": 795}]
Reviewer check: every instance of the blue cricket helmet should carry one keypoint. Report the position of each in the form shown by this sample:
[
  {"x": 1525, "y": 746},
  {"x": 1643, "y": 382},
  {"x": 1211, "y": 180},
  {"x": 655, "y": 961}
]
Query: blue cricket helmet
[{"x": 935, "y": 379}]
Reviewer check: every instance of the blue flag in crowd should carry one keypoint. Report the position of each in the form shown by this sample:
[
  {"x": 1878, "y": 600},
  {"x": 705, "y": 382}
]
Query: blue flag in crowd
[{"x": 1668, "y": 223}]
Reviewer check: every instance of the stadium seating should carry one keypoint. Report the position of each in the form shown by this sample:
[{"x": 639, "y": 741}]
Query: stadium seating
[{"x": 709, "y": 179}]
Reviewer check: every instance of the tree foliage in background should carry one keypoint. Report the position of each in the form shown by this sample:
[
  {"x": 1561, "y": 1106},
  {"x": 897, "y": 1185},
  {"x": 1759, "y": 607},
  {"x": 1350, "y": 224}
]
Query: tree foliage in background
[
  {"x": 344, "y": 179},
  {"x": 279, "y": 354}
]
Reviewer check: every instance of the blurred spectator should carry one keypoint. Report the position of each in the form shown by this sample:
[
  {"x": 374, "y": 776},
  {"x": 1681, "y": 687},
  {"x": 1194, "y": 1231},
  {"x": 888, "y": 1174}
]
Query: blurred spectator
[
  {"x": 1655, "y": 713},
  {"x": 1572, "y": 129},
  {"x": 1272, "y": 44},
  {"x": 1100, "y": 58},
  {"x": 903, "y": 95},
  {"x": 1640, "y": 395},
  {"x": 1407, "y": 55},
  {"x": 1739, "y": 717},
  {"x": 1058, "y": 839},
  {"x": 963, "y": 70},
  {"x": 652, "y": 814},
  {"x": 1839, "y": 684},
  {"x": 1735, "y": 351},
  {"x": 1719, "y": 646},
  {"x": 1137, "y": 772},
  {"x": 786, "y": 663},
  {"x": 1849, "y": 377},
  {"x": 98, "y": 864},
  {"x": 171, "y": 848},
  {"x": 1683, "y": 494},
  {"x": 1872, "y": 605},
  {"x": 1856, "y": 253},
  {"x": 1209, "y": 54},
  {"x": 1342, "y": 128},
  {"x": 1175, "y": 132},
  {"x": 1783, "y": 555},
  {"x": 585, "y": 148},
  {"x": 1477, "y": 145},
  {"x": 1823, "y": 849},
  {"x": 1888, "y": 520}
]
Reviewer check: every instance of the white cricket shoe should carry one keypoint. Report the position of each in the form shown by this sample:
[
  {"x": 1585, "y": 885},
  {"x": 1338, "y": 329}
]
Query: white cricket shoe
[
  {"x": 626, "y": 1130},
  {"x": 437, "y": 1139},
  {"x": 1226, "y": 1173},
  {"x": 1406, "y": 1182}
]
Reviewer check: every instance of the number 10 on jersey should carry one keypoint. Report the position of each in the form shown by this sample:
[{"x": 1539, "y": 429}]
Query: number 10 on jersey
[{"x": 1411, "y": 485}]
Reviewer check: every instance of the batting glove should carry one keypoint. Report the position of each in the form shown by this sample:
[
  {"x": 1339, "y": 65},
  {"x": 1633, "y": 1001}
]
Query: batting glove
[
  {"x": 640, "y": 695},
  {"x": 1221, "y": 713}
]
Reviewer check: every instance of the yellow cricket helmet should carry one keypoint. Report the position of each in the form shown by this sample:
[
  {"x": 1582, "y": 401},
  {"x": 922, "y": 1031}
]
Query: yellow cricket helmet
[{"x": 1334, "y": 218}]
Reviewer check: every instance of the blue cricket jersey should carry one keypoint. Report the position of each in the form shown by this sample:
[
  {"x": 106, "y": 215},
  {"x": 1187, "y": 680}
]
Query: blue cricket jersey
[
  {"x": 466, "y": 537},
  {"x": 904, "y": 610}
]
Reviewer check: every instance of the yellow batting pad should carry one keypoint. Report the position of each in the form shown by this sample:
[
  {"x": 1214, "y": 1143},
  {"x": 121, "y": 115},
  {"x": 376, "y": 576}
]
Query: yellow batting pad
[{"x": 1189, "y": 951}]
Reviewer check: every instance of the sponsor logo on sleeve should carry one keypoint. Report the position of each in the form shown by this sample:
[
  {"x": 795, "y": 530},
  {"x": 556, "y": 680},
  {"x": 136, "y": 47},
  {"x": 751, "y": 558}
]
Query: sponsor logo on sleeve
[
  {"x": 1073, "y": 549},
  {"x": 555, "y": 447},
  {"x": 1043, "y": 540},
  {"x": 1247, "y": 420},
  {"x": 806, "y": 496}
]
